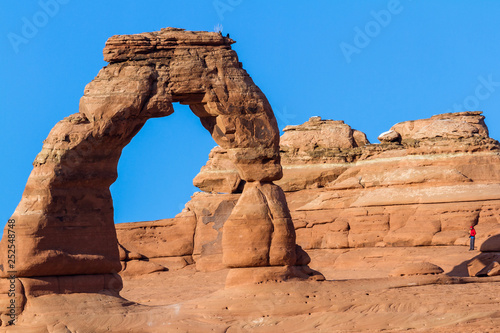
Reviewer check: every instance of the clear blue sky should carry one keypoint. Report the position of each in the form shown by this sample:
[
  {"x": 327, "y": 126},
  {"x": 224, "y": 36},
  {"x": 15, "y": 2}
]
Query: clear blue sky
[{"x": 369, "y": 63}]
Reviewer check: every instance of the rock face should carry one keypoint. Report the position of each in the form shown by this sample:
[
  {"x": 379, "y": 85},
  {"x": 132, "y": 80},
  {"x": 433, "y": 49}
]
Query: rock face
[
  {"x": 424, "y": 185},
  {"x": 64, "y": 222},
  {"x": 164, "y": 238}
]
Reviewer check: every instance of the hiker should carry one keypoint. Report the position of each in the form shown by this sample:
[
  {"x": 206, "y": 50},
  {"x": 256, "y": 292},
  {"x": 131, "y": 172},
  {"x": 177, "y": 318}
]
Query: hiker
[{"x": 472, "y": 237}]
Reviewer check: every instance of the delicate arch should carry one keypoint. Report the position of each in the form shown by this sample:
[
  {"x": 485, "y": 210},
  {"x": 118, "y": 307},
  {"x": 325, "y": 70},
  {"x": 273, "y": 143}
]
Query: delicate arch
[{"x": 65, "y": 219}]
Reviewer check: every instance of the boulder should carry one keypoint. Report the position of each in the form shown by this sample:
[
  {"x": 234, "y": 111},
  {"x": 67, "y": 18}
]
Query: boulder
[
  {"x": 171, "y": 263},
  {"x": 493, "y": 269},
  {"x": 483, "y": 264},
  {"x": 417, "y": 268},
  {"x": 320, "y": 133},
  {"x": 389, "y": 136}
]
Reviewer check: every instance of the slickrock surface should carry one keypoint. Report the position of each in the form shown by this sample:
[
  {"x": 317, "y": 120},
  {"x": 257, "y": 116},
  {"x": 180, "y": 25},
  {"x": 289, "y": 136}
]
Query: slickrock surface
[
  {"x": 418, "y": 268},
  {"x": 189, "y": 301}
]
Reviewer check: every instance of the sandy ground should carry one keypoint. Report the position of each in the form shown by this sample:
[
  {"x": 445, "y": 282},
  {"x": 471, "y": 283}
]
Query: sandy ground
[{"x": 358, "y": 296}]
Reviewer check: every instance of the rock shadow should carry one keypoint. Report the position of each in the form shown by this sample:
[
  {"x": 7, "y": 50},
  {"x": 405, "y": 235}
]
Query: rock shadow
[
  {"x": 461, "y": 270},
  {"x": 491, "y": 245}
]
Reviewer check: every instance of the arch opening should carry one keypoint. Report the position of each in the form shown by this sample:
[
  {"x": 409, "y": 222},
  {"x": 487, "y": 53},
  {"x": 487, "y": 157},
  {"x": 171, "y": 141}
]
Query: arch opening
[{"x": 156, "y": 169}]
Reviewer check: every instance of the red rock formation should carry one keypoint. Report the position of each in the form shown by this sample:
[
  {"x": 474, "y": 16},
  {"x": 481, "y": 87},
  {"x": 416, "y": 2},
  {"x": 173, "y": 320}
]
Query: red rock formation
[
  {"x": 448, "y": 125},
  {"x": 425, "y": 184},
  {"x": 425, "y": 191},
  {"x": 64, "y": 222}
]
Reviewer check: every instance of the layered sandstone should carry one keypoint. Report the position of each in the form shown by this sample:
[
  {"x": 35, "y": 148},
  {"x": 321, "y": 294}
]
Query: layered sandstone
[{"x": 425, "y": 188}]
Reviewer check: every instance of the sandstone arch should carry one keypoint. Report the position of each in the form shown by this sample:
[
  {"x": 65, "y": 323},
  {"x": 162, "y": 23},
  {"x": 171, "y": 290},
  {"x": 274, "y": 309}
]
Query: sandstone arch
[{"x": 64, "y": 222}]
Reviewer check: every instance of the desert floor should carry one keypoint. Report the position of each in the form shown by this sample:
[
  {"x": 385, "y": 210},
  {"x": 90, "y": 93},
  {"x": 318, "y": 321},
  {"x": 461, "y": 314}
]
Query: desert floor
[{"x": 358, "y": 296}]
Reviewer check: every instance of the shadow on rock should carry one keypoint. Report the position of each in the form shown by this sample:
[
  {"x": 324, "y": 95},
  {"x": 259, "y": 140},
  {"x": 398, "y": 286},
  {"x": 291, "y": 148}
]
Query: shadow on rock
[
  {"x": 484, "y": 264},
  {"x": 492, "y": 244}
]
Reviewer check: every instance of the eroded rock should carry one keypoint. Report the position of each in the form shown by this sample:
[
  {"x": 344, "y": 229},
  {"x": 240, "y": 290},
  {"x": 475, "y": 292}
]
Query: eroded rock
[
  {"x": 64, "y": 222},
  {"x": 260, "y": 225},
  {"x": 448, "y": 125},
  {"x": 424, "y": 192}
]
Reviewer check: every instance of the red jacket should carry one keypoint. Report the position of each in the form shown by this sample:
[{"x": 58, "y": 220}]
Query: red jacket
[{"x": 472, "y": 232}]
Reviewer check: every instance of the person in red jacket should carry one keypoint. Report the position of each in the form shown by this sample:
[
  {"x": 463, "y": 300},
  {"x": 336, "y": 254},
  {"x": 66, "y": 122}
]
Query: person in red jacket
[{"x": 472, "y": 237}]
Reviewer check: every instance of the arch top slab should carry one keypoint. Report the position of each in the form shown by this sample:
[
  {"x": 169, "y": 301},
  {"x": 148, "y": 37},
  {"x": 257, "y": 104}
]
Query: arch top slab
[{"x": 200, "y": 69}]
